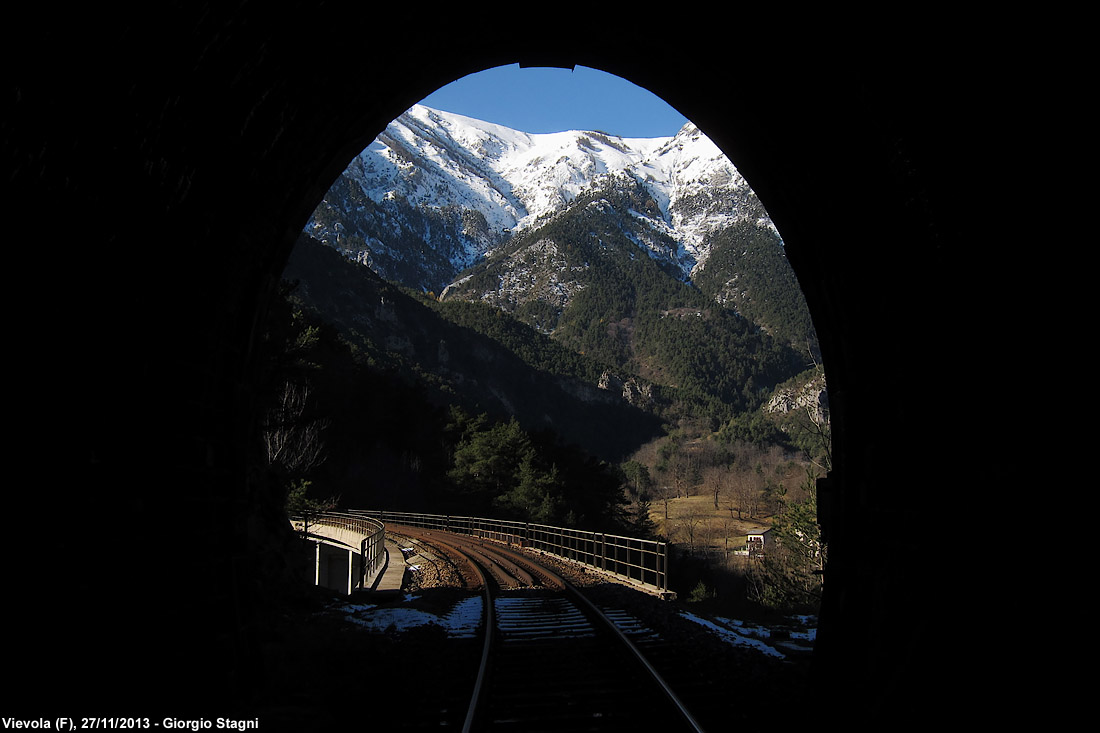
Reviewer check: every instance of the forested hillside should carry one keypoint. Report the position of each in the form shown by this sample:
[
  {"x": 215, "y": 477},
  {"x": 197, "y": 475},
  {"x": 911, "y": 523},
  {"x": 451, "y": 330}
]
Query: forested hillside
[
  {"x": 614, "y": 302},
  {"x": 354, "y": 418},
  {"x": 467, "y": 354},
  {"x": 747, "y": 271}
]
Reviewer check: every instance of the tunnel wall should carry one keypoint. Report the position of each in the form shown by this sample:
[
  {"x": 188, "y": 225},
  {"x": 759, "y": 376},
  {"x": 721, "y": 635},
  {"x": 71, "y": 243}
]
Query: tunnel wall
[{"x": 159, "y": 176}]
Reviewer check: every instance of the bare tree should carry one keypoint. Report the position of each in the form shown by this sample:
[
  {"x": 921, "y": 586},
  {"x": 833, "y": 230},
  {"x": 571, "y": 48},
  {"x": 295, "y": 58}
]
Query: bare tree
[
  {"x": 294, "y": 444},
  {"x": 664, "y": 494},
  {"x": 689, "y": 524},
  {"x": 743, "y": 493},
  {"x": 706, "y": 535},
  {"x": 727, "y": 534},
  {"x": 716, "y": 480},
  {"x": 817, "y": 424},
  {"x": 685, "y": 473},
  {"x": 810, "y": 423}
]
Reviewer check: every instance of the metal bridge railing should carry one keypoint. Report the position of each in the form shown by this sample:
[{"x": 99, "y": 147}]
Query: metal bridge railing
[{"x": 644, "y": 562}]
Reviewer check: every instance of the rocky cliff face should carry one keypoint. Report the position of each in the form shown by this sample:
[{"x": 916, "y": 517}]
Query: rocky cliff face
[
  {"x": 634, "y": 391},
  {"x": 810, "y": 396}
]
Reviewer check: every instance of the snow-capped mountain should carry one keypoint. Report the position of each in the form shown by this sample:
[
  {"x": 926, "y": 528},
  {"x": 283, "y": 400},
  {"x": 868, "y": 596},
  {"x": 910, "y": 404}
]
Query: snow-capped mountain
[
  {"x": 436, "y": 192},
  {"x": 647, "y": 264}
]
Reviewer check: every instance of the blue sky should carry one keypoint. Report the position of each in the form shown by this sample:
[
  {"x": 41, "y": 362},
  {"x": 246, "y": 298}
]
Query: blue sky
[{"x": 538, "y": 100}]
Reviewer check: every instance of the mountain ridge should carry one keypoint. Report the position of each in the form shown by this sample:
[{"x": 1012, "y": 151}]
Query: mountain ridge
[{"x": 433, "y": 162}]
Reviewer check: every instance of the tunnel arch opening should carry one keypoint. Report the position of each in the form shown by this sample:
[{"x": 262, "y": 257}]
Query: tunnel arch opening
[
  {"x": 357, "y": 154},
  {"x": 224, "y": 99},
  {"x": 761, "y": 146}
]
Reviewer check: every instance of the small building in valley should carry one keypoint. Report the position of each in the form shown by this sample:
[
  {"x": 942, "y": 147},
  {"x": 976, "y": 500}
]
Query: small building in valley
[{"x": 757, "y": 542}]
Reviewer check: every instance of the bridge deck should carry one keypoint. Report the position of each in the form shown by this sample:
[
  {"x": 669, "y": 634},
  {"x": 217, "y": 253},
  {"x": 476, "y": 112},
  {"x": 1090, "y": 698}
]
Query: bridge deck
[{"x": 393, "y": 574}]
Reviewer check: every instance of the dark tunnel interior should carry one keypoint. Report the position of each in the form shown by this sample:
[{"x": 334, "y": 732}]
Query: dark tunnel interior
[{"x": 161, "y": 174}]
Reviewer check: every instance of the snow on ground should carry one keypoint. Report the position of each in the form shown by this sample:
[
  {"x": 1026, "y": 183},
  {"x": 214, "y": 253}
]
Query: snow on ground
[
  {"x": 463, "y": 620},
  {"x": 740, "y": 633},
  {"x": 515, "y": 177}
]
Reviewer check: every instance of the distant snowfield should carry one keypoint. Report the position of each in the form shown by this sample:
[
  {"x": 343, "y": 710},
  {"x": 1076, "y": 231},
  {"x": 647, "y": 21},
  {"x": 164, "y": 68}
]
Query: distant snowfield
[
  {"x": 436, "y": 159},
  {"x": 463, "y": 621}
]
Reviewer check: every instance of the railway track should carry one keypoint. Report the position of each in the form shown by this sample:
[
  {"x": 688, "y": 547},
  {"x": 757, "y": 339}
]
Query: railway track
[{"x": 550, "y": 660}]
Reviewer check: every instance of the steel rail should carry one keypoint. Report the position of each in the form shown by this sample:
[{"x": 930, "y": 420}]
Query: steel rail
[
  {"x": 602, "y": 620},
  {"x": 508, "y": 564},
  {"x": 431, "y": 539},
  {"x": 481, "y": 555},
  {"x": 489, "y": 622},
  {"x": 668, "y": 691}
]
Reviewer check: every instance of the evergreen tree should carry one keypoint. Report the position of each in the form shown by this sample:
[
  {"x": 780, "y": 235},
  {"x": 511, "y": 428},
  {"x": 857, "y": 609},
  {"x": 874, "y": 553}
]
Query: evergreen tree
[
  {"x": 488, "y": 459},
  {"x": 536, "y": 496},
  {"x": 788, "y": 576}
]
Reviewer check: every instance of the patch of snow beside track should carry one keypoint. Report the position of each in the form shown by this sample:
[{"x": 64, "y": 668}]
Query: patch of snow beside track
[
  {"x": 738, "y": 638},
  {"x": 461, "y": 622}
]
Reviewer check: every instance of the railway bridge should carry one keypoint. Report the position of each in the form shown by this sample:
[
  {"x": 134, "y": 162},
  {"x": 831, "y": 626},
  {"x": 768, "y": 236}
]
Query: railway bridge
[
  {"x": 543, "y": 654},
  {"x": 351, "y": 552}
]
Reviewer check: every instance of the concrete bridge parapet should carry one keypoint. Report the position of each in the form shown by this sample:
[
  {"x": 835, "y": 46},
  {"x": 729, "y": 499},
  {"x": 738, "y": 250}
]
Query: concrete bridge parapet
[{"x": 348, "y": 557}]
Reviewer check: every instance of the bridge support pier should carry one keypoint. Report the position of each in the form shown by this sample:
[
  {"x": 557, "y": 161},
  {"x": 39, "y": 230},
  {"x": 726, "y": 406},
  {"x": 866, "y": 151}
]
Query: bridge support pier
[{"x": 336, "y": 568}]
